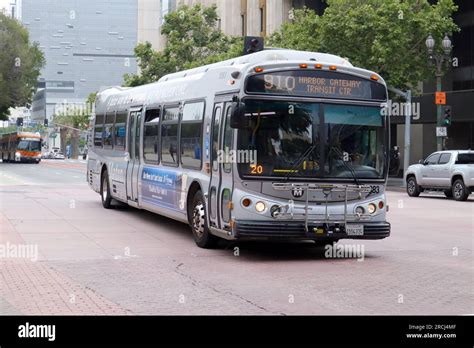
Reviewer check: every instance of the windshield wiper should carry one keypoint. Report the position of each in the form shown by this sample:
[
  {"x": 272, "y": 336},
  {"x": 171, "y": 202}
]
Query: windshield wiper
[
  {"x": 298, "y": 161},
  {"x": 346, "y": 165}
]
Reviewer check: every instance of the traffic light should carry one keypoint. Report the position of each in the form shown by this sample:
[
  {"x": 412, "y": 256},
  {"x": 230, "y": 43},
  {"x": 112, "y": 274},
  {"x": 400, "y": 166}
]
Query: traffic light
[
  {"x": 19, "y": 122},
  {"x": 46, "y": 122},
  {"x": 447, "y": 116},
  {"x": 253, "y": 44}
]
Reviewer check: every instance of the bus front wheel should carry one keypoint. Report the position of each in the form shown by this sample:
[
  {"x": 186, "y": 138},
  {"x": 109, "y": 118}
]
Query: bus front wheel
[
  {"x": 105, "y": 191},
  {"x": 202, "y": 236}
]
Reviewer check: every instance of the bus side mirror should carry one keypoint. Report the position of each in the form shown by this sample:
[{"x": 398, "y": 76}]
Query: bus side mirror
[{"x": 238, "y": 118}]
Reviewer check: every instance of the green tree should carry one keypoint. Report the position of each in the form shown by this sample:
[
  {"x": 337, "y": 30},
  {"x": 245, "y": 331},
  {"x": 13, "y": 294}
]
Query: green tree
[
  {"x": 192, "y": 39},
  {"x": 20, "y": 65},
  {"x": 385, "y": 36}
]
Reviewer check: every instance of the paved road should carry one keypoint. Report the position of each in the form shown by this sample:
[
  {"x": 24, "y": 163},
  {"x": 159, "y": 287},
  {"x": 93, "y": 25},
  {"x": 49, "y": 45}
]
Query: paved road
[{"x": 126, "y": 261}]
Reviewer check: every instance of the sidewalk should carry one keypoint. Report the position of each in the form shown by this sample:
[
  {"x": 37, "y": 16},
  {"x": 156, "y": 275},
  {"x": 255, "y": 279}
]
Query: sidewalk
[{"x": 395, "y": 184}]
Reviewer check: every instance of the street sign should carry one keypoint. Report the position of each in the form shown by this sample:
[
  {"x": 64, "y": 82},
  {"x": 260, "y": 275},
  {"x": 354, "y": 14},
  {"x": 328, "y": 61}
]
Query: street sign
[
  {"x": 441, "y": 131},
  {"x": 440, "y": 98}
]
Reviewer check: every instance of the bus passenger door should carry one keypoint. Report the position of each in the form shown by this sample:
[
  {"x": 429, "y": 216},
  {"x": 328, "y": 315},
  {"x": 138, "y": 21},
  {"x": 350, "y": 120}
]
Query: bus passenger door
[
  {"x": 213, "y": 211},
  {"x": 220, "y": 192},
  {"x": 133, "y": 146}
]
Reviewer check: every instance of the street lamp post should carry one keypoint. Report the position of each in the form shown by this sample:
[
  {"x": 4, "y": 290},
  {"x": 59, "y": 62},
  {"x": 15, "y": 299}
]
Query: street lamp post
[{"x": 439, "y": 59}]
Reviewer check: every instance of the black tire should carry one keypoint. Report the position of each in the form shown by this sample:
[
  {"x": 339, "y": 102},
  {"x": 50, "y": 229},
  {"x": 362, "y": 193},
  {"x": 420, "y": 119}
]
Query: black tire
[
  {"x": 198, "y": 223},
  {"x": 105, "y": 190},
  {"x": 448, "y": 193},
  {"x": 413, "y": 189},
  {"x": 459, "y": 190}
]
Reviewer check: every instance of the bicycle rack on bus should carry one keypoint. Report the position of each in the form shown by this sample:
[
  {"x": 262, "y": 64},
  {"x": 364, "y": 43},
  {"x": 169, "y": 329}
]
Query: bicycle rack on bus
[{"x": 287, "y": 211}]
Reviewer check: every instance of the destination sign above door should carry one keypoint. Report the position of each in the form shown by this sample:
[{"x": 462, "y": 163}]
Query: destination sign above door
[{"x": 316, "y": 83}]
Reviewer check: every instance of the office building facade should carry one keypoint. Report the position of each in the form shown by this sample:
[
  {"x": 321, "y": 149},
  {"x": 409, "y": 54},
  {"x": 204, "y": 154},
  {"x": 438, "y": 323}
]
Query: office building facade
[
  {"x": 244, "y": 17},
  {"x": 87, "y": 44}
]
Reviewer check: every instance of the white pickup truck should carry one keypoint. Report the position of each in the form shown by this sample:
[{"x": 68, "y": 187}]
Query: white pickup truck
[{"x": 449, "y": 171}]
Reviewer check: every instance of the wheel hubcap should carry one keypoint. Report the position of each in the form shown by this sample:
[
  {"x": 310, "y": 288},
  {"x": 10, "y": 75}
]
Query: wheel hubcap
[
  {"x": 411, "y": 186},
  {"x": 199, "y": 219},
  {"x": 458, "y": 189}
]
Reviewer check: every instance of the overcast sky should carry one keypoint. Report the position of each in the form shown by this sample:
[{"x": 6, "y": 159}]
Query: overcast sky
[{"x": 4, "y": 3}]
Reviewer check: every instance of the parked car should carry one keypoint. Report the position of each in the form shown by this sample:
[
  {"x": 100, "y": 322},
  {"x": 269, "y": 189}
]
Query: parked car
[
  {"x": 449, "y": 171},
  {"x": 59, "y": 155}
]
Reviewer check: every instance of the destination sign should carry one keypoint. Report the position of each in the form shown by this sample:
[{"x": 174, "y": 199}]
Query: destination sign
[{"x": 313, "y": 83}]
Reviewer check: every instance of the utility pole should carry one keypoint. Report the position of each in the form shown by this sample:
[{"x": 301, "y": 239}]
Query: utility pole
[
  {"x": 407, "y": 143},
  {"x": 439, "y": 60}
]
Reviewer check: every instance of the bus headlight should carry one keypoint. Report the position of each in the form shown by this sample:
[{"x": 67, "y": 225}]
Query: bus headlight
[
  {"x": 17, "y": 154},
  {"x": 260, "y": 207},
  {"x": 360, "y": 211},
  {"x": 371, "y": 208}
]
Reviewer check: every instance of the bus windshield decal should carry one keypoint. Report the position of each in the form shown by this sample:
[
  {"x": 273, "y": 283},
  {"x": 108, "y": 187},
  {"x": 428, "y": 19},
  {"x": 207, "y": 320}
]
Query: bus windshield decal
[{"x": 312, "y": 83}]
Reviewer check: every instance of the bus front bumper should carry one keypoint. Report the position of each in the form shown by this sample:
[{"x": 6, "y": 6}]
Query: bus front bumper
[{"x": 316, "y": 231}]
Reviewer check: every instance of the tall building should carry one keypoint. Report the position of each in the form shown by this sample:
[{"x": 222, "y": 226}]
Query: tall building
[
  {"x": 244, "y": 17},
  {"x": 88, "y": 44},
  {"x": 148, "y": 22}
]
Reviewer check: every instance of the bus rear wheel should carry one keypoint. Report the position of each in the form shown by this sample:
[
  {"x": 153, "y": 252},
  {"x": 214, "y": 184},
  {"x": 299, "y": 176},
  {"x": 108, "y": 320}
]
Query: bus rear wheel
[
  {"x": 198, "y": 222},
  {"x": 105, "y": 191}
]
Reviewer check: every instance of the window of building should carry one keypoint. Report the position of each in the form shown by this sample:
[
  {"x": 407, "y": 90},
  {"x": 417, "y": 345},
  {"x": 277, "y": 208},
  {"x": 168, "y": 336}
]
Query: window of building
[
  {"x": 120, "y": 130},
  {"x": 150, "y": 136},
  {"x": 109, "y": 129},
  {"x": 169, "y": 136},
  {"x": 191, "y": 135},
  {"x": 166, "y": 7},
  {"x": 98, "y": 130},
  {"x": 243, "y": 16},
  {"x": 263, "y": 18}
]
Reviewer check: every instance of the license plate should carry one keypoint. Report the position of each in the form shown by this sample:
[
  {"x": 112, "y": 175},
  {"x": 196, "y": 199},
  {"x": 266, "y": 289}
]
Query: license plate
[{"x": 354, "y": 229}]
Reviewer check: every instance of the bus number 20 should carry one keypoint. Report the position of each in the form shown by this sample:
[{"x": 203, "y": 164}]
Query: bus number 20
[{"x": 256, "y": 169}]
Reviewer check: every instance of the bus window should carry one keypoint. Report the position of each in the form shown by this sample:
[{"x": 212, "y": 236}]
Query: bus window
[
  {"x": 215, "y": 137},
  {"x": 120, "y": 130},
  {"x": 191, "y": 135},
  {"x": 98, "y": 130},
  {"x": 108, "y": 129},
  {"x": 150, "y": 136},
  {"x": 169, "y": 136},
  {"x": 227, "y": 142}
]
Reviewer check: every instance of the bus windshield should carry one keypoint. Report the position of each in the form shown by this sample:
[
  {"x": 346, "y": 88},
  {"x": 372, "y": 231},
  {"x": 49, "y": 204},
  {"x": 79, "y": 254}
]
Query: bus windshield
[
  {"x": 340, "y": 141},
  {"x": 29, "y": 145}
]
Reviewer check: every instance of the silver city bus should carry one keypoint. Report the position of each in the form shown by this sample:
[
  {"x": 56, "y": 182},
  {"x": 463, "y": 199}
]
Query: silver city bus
[{"x": 278, "y": 144}]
